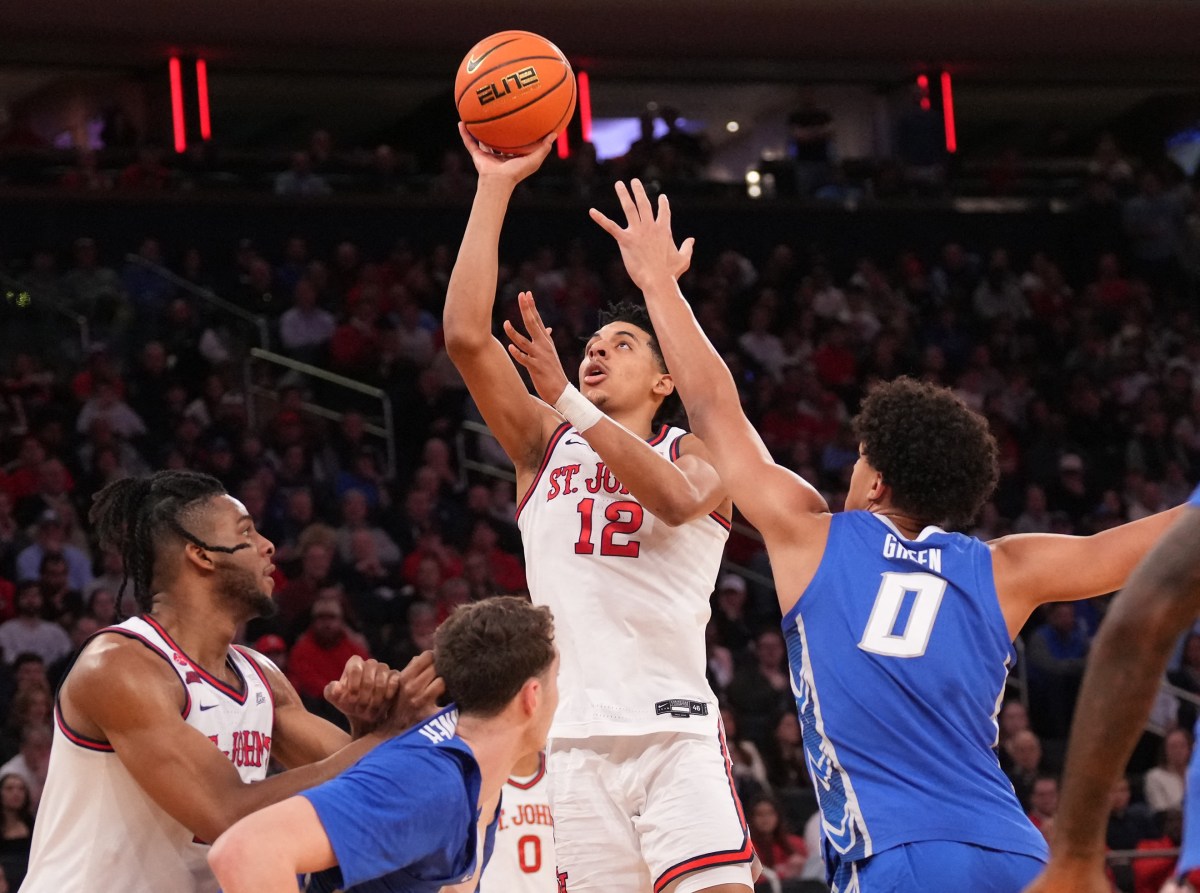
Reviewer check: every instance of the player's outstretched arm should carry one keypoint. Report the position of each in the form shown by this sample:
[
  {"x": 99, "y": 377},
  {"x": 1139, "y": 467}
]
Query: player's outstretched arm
[
  {"x": 374, "y": 697},
  {"x": 265, "y": 851},
  {"x": 518, "y": 421},
  {"x": 772, "y": 498},
  {"x": 1128, "y": 658},
  {"x": 675, "y": 492},
  {"x": 120, "y": 693},
  {"x": 1029, "y": 566}
]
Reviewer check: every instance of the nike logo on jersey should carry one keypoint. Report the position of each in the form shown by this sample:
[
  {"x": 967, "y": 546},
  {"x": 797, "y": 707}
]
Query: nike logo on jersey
[
  {"x": 580, "y": 442},
  {"x": 204, "y": 707}
]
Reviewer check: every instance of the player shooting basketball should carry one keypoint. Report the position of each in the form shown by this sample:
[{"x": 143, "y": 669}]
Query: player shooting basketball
[{"x": 623, "y": 525}]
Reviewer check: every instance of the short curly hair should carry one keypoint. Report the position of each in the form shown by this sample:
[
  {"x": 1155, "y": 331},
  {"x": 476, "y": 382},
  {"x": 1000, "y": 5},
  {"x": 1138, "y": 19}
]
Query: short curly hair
[
  {"x": 486, "y": 651},
  {"x": 936, "y": 454}
]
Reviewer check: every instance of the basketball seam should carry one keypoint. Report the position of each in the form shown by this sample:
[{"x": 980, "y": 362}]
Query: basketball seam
[
  {"x": 471, "y": 55},
  {"x": 480, "y": 75},
  {"x": 519, "y": 108}
]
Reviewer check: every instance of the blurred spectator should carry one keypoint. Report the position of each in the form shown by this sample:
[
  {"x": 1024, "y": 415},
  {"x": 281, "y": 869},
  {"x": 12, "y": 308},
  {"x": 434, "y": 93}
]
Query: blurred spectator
[
  {"x": 762, "y": 690},
  {"x": 777, "y": 847},
  {"x": 274, "y": 649},
  {"x": 147, "y": 173},
  {"x": 300, "y": 179},
  {"x": 33, "y": 760},
  {"x": 810, "y": 138},
  {"x": 729, "y": 614},
  {"x": 1013, "y": 719},
  {"x": 1165, "y": 783},
  {"x": 320, "y": 654},
  {"x": 1057, "y": 652},
  {"x": 749, "y": 770},
  {"x": 1128, "y": 825},
  {"x": 1025, "y": 751},
  {"x": 355, "y": 517},
  {"x": 306, "y": 329},
  {"x": 29, "y": 632},
  {"x": 86, "y": 174},
  {"x": 1150, "y": 873},
  {"x": 1043, "y": 804},
  {"x": 16, "y": 825},
  {"x": 296, "y": 597}
]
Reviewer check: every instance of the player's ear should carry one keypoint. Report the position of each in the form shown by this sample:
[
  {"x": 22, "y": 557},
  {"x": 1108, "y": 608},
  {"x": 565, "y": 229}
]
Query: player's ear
[
  {"x": 198, "y": 558},
  {"x": 878, "y": 489},
  {"x": 665, "y": 386},
  {"x": 530, "y": 696}
]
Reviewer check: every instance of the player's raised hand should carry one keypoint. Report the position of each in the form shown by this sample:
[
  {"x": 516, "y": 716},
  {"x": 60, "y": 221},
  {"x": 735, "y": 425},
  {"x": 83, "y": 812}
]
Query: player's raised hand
[
  {"x": 511, "y": 168},
  {"x": 536, "y": 352},
  {"x": 647, "y": 246},
  {"x": 364, "y": 693},
  {"x": 418, "y": 690}
]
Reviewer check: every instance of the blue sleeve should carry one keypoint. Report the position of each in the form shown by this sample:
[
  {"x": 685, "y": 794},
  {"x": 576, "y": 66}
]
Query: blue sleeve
[
  {"x": 1195, "y": 500},
  {"x": 393, "y": 808}
]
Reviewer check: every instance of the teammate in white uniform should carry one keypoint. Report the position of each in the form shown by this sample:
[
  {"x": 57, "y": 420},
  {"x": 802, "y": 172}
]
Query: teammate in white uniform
[
  {"x": 523, "y": 858},
  {"x": 164, "y": 729},
  {"x": 623, "y": 523}
]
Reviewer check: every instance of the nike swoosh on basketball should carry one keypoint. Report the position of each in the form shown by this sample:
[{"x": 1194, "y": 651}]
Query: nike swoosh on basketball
[{"x": 474, "y": 63}]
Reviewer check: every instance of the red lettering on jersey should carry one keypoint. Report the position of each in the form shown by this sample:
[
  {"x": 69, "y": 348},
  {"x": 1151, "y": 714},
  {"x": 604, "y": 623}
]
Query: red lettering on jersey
[
  {"x": 605, "y": 480},
  {"x": 593, "y": 483},
  {"x": 562, "y": 882},
  {"x": 560, "y": 481}
]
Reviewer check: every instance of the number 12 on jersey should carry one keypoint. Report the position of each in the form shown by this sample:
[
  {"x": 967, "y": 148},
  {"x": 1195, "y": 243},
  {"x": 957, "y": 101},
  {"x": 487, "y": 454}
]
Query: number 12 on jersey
[
  {"x": 624, "y": 519},
  {"x": 882, "y": 636}
]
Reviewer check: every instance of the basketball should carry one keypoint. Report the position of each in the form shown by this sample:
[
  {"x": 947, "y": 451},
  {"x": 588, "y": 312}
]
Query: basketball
[{"x": 512, "y": 89}]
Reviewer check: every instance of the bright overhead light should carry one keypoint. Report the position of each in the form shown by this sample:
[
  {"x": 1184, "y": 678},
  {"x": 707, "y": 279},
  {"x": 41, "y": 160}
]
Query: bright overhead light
[{"x": 733, "y": 126}]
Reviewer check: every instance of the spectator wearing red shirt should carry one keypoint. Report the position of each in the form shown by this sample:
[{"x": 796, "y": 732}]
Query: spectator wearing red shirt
[
  {"x": 356, "y": 347},
  {"x": 834, "y": 360},
  {"x": 1150, "y": 873},
  {"x": 320, "y": 654},
  {"x": 507, "y": 571}
]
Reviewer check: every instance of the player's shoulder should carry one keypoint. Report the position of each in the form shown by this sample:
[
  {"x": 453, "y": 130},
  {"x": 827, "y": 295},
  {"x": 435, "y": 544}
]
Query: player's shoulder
[{"x": 120, "y": 658}]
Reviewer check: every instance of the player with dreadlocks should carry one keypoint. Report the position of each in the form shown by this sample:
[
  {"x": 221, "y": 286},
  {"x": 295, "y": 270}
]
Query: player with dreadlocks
[
  {"x": 164, "y": 728},
  {"x": 624, "y": 522}
]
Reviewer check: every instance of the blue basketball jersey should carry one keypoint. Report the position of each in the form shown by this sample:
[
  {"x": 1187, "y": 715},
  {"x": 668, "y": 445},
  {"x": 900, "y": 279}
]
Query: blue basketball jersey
[
  {"x": 899, "y": 654},
  {"x": 1189, "y": 849}
]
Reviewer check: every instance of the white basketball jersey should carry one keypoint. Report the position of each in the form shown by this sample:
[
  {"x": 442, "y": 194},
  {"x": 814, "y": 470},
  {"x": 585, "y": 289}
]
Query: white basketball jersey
[
  {"x": 97, "y": 828},
  {"x": 523, "y": 858},
  {"x": 629, "y": 595}
]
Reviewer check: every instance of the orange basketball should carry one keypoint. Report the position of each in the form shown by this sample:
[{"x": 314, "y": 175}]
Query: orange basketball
[{"x": 512, "y": 89}]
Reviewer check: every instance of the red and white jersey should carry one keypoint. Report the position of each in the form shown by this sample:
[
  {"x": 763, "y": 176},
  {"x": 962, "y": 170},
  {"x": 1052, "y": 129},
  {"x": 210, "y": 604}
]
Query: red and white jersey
[
  {"x": 629, "y": 595},
  {"x": 97, "y": 826},
  {"x": 523, "y": 857}
]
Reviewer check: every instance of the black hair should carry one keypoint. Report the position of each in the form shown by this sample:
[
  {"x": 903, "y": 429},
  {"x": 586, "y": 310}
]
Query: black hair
[
  {"x": 136, "y": 516},
  {"x": 671, "y": 410},
  {"x": 936, "y": 454}
]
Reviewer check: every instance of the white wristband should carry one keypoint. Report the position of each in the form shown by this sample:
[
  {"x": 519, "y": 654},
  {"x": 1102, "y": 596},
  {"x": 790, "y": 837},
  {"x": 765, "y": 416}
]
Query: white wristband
[{"x": 577, "y": 409}]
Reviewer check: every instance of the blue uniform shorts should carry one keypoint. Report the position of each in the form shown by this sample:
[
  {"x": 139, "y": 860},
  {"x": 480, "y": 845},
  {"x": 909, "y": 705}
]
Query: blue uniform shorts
[{"x": 929, "y": 866}]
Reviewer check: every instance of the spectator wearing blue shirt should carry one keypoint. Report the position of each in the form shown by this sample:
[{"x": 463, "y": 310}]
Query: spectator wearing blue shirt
[{"x": 419, "y": 811}]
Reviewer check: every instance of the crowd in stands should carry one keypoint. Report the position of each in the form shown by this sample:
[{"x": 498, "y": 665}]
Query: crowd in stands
[
  {"x": 1091, "y": 383},
  {"x": 670, "y": 150}
]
